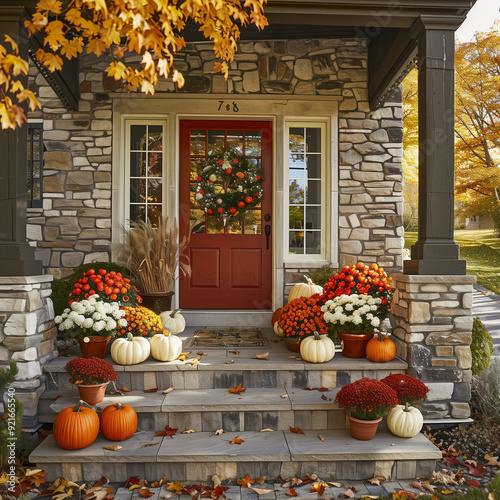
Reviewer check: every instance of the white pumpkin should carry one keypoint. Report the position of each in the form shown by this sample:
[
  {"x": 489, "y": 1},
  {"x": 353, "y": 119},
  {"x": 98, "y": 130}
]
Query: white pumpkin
[
  {"x": 307, "y": 289},
  {"x": 165, "y": 347},
  {"x": 130, "y": 351},
  {"x": 317, "y": 348},
  {"x": 405, "y": 421},
  {"x": 173, "y": 320},
  {"x": 277, "y": 330}
]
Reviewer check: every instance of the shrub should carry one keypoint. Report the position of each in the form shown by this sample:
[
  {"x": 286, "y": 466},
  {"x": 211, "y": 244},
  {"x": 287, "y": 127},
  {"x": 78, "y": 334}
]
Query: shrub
[
  {"x": 322, "y": 275},
  {"x": 481, "y": 347},
  {"x": 488, "y": 391}
]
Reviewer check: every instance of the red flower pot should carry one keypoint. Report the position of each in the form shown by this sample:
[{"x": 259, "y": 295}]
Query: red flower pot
[
  {"x": 92, "y": 394},
  {"x": 93, "y": 347},
  {"x": 354, "y": 346},
  {"x": 364, "y": 430}
]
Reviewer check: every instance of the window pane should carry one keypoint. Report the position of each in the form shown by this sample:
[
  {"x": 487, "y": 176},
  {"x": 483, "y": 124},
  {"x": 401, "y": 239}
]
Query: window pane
[
  {"x": 216, "y": 141},
  {"x": 234, "y": 227},
  {"x": 296, "y": 242},
  {"x": 313, "y": 192},
  {"x": 296, "y": 192},
  {"x": 253, "y": 222},
  {"x": 137, "y": 137},
  {"x": 36, "y": 169},
  {"x": 36, "y": 189},
  {"x": 296, "y": 217},
  {"x": 215, "y": 225},
  {"x": 36, "y": 146},
  {"x": 30, "y": 143},
  {"x": 155, "y": 165},
  {"x": 313, "y": 138},
  {"x": 296, "y": 140},
  {"x": 313, "y": 218},
  {"x": 197, "y": 220},
  {"x": 137, "y": 190},
  {"x": 137, "y": 164},
  {"x": 313, "y": 242},
  {"x": 198, "y": 139},
  {"x": 253, "y": 143},
  {"x": 137, "y": 212},
  {"x": 235, "y": 140},
  {"x": 314, "y": 166},
  {"x": 153, "y": 213},
  {"x": 155, "y": 191},
  {"x": 196, "y": 167},
  {"x": 155, "y": 134},
  {"x": 297, "y": 167}
]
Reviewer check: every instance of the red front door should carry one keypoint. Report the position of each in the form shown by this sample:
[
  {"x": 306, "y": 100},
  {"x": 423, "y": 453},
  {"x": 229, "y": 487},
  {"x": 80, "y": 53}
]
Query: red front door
[{"x": 231, "y": 263}]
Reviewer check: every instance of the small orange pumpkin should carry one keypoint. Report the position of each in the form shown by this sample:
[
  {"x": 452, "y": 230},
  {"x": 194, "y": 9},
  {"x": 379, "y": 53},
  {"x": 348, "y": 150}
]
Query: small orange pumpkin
[
  {"x": 276, "y": 315},
  {"x": 76, "y": 427},
  {"x": 118, "y": 422},
  {"x": 380, "y": 349}
]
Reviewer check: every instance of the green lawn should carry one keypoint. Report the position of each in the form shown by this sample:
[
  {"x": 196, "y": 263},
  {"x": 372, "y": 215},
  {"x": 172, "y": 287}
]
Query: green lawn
[{"x": 481, "y": 249}]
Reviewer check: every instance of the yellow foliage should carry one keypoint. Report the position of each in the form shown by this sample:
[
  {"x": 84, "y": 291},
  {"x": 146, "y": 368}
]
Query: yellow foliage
[{"x": 152, "y": 29}]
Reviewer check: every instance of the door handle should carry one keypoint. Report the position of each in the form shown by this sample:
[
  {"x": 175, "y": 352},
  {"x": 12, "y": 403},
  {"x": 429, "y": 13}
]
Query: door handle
[{"x": 267, "y": 230}]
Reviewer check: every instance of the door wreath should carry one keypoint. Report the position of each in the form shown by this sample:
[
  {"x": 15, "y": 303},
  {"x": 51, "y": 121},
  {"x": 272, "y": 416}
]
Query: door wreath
[{"x": 229, "y": 185}]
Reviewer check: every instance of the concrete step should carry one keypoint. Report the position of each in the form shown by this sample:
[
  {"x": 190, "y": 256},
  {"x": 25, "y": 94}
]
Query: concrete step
[
  {"x": 198, "y": 456},
  {"x": 211, "y": 409}
]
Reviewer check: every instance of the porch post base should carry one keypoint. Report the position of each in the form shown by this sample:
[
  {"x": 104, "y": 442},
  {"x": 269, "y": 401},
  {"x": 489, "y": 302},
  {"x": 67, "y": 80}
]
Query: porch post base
[
  {"x": 434, "y": 266},
  {"x": 431, "y": 317},
  {"x": 18, "y": 259}
]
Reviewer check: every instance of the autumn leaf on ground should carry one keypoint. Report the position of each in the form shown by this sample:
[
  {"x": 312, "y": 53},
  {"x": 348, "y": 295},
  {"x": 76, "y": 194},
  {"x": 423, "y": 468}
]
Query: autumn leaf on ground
[
  {"x": 145, "y": 493},
  {"x": 292, "y": 493},
  {"x": 131, "y": 480},
  {"x": 151, "y": 390},
  {"x": 170, "y": 432},
  {"x": 491, "y": 459},
  {"x": 416, "y": 484},
  {"x": 175, "y": 486},
  {"x": 235, "y": 352},
  {"x": 149, "y": 444},
  {"x": 236, "y": 390},
  {"x": 260, "y": 491},
  {"x": 218, "y": 432},
  {"x": 245, "y": 481},
  {"x": 266, "y": 430},
  {"x": 170, "y": 389},
  {"x": 125, "y": 389},
  {"x": 114, "y": 447},
  {"x": 217, "y": 492},
  {"x": 404, "y": 494},
  {"x": 296, "y": 481},
  {"x": 321, "y": 438},
  {"x": 262, "y": 356},
  {"x": 297, "y": 430},
  {"x": 275, "y": 340},
  {"x": 335, "y": 485},
  {"x": 261, "y": 480},
  {"x": 429, "y": 487},
  {"x": 200, "y": 353},
  {"x": 475, "y": 471},
  {"x": 188, "y": 431},
  {"x": 36, "y": 478},
  {"x": 471, "y": 462},
  {"x": 323, "y": 389},
  {"x": 236, "y": 440},
  {"x": 182, "y": 357},
  {"x": 451, "y": 461},
  {"x": 347, "y": 494},
  {"x": 309, "y": 388},
  {"x": 216, "y": 480},
  {"x": 473, "y": 482},
  {"x": 376, "y": 480},
  {"x": 318, "y": 488}
]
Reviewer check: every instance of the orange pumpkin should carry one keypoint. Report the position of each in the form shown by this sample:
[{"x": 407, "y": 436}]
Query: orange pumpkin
[
  {"x": 276, "y": 316},
  {"x": 380, "y": 349},
  {"x": 76, "y": 427},
  {"x": 118, "y": 422}
]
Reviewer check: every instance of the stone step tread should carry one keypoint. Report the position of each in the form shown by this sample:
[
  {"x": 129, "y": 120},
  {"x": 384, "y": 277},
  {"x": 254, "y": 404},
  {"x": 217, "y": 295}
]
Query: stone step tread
[
  {"x": 277, "y": 446},
  {"x": 207, "y": 400}
]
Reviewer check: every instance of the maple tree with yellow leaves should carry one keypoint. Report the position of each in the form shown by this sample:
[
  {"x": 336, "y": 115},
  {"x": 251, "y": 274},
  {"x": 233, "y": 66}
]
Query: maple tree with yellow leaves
[{"x": 152, "y": 29}]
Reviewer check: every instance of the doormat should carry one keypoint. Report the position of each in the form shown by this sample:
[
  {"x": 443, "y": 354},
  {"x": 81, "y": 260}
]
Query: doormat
[{"x": 227, "y": 338}]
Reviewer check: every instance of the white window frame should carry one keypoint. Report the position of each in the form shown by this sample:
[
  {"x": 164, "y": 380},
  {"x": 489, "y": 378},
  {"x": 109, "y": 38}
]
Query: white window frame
[
  {"x": 326, "y": 208},
  {"x": 126, "y": 153}
]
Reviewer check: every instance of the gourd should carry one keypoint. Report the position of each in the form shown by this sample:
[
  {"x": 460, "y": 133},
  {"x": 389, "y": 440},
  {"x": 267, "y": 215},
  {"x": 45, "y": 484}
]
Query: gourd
[
  {"x": 76, "y": 427},
  {"x": 317, "y": 349},
  {"x": 276, "y": 316},
  {"x": 173, "y": 320},
  {"x": 165, "y": 347},
  {"x": 405, "y": 421},
  {"x": 304, "y": 290},
  {"x": 118, "y": 422},
  {"x": 380, "y": 349},
  {"x": 131, "y": 350}
]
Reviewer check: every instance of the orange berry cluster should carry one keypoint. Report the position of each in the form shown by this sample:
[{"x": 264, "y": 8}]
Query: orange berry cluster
[
  {"x": 109, "y": 286},
  {"x": 365, "y": 280},
  {"x": 303, "y": 316},
  {"x": 366, "y": 399},
  {"x": 141, "y": 321}
]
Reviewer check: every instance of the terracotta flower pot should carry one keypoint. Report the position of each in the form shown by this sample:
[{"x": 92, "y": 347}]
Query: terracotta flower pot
[
  {"x": 93, "y": 347},
  {"x": 354, "y": 346},
  {"x": 163, "y": 299},
  {"x": 364, "y": 430},
  {"x": 293, "y": 343},
  {"x": 92, "y": 394}
]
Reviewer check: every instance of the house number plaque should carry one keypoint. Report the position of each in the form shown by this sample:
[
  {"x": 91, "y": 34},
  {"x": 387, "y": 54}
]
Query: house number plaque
[{"x": 228, "y": 106}]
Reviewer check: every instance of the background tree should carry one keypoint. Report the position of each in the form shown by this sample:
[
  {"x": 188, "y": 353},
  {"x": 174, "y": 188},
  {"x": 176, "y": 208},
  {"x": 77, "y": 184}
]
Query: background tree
[
  {"x": 118, "y": 27},
  {"x": 477, "y": 125}
]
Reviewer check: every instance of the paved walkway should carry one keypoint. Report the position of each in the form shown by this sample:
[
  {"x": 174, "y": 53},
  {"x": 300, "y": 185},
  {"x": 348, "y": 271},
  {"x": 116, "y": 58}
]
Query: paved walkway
[{"x": 486, "y": 307}]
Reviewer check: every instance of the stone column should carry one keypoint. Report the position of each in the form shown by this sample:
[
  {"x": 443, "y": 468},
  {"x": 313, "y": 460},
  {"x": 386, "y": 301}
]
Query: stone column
[
  {"x": 432, "y": 328},
  {"x": 27, "y": 336},
  {"x": 436, "y": 252}
]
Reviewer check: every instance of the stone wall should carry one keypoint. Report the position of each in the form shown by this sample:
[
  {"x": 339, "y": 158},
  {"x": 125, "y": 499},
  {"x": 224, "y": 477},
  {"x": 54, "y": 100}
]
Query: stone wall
[
  {"x": 27, "y": 336},
  {"x": 74, "y": 225},
  {"x": 432, "y": 327}
]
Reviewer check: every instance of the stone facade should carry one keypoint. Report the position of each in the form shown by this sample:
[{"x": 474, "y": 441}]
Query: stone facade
[
  {"x": 27, "y": 336},
  {"x": 432, "y": 327},
  {"x": 74, "y": 225}
]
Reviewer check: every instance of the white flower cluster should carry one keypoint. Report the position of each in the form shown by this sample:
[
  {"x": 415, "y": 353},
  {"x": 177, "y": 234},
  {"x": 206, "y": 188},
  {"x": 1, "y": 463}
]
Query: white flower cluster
[
  {"x": 92, "y": 314},
  {"x": 354, "y": 309}
]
